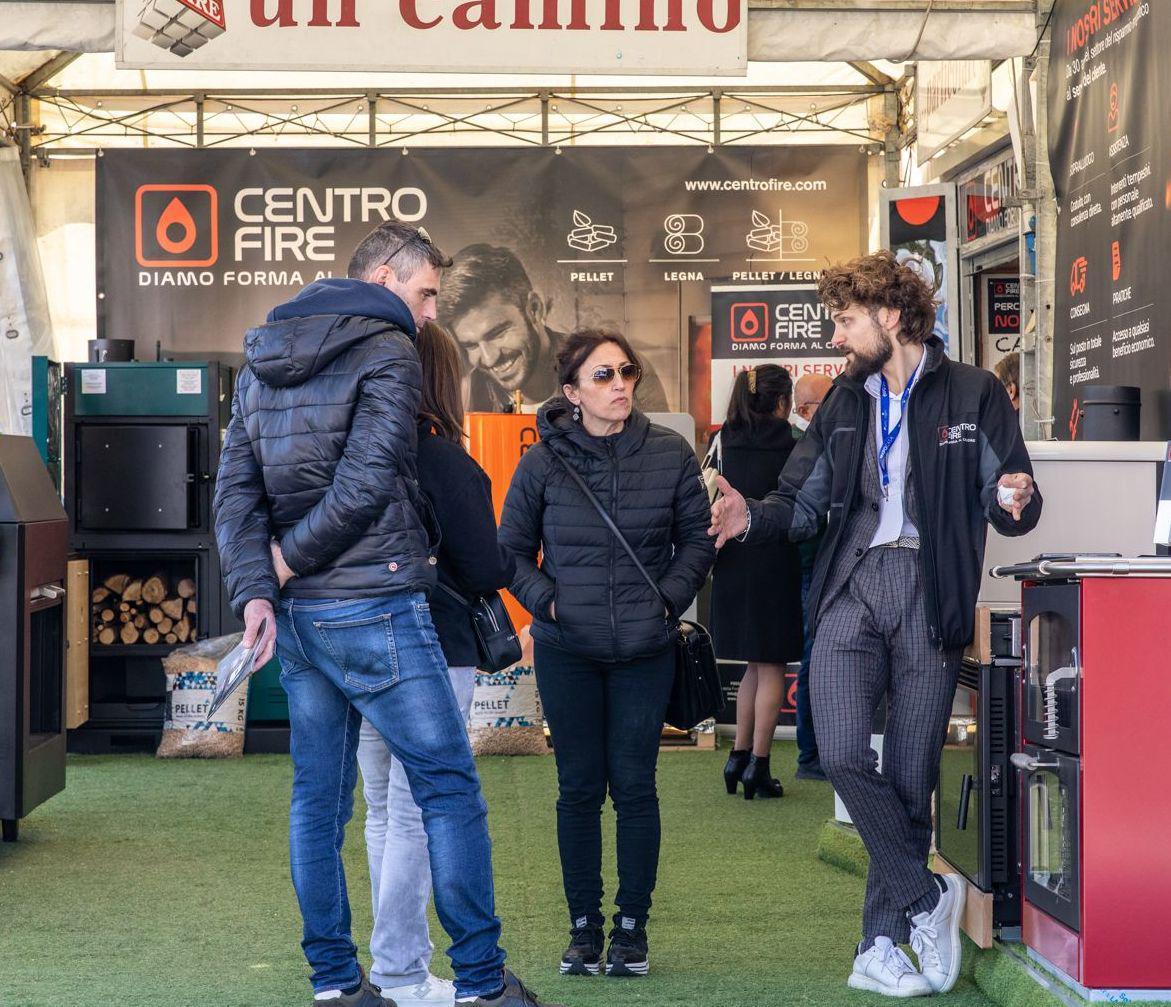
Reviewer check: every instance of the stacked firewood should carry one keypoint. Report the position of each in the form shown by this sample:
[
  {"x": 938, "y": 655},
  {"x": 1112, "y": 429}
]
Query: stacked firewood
[{"x": 130, "y": 610}]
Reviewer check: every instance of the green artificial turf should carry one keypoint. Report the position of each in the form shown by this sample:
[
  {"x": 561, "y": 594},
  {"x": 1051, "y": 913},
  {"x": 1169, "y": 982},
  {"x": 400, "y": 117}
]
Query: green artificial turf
[{"x": 151, "y": 884}]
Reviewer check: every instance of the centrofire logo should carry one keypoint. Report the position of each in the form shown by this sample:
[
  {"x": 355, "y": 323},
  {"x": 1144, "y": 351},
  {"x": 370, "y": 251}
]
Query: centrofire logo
[
  {"x": 958, "y": 433},
  {"x": 749, "y": 322},
  {"x": 176, "y": 225}
]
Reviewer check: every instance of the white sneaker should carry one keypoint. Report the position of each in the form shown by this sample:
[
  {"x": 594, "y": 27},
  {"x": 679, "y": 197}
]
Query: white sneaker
[
  {"x": 935, "y": 936},
  {"x": 885, "y": 969},
  {"x": 431, "y": 992}
]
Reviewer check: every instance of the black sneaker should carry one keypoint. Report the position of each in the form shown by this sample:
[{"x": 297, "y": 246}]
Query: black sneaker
[
  {"x": 514, "y": 994},
  {"x": 627, "y": 955},
  {"x": 811, "y": 771},
  {"x": 366, "y": 995},
  {"x": 583, "y": 957}
]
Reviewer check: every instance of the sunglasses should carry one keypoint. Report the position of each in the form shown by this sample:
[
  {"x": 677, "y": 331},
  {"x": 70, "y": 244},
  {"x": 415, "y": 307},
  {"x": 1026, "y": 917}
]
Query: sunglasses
[
  {"x": 419, "y": 235},
  {"x": 604, "y": 375}
]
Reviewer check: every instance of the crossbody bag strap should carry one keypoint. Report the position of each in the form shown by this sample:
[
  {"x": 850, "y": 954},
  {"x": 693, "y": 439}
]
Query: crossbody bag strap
[
  {"x": 454, "y": 594},
  {"x": 715, "y": 452},
  {"x": 613, "y": 528}
]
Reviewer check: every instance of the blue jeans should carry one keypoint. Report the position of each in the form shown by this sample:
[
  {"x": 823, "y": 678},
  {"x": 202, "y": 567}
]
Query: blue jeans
[
  {"x": 379, "y": 658},
  {"x": 806, "y": 740},
  {"x": 396, "y": 848}
]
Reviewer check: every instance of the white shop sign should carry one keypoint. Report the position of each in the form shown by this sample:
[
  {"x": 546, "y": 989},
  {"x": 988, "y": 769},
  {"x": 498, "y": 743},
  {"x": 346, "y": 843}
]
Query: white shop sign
[
  {"x": 696, "y": 37},
  {"x": 951, "y": 96}
]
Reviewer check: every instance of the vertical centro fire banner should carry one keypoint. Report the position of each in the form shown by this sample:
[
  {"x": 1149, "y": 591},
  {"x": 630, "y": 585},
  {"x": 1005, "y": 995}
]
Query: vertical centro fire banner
[
  {"x": 781, "y": 323},
  {"x": 1110, "y": 154}
]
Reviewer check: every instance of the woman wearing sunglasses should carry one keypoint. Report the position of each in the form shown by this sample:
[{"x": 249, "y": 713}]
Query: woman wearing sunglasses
[{"x": 603, "y": 642}]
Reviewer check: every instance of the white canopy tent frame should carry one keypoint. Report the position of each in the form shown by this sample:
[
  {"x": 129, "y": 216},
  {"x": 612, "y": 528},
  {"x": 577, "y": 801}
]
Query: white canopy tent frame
[{"x": 62, "y": 103}]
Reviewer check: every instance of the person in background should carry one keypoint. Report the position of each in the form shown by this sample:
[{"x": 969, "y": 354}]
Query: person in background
[
  {"x": 604, "y": 653},
  {"x": 470, "y": 563},
  {"x": 912, "y": 455},
  {"x": 502, "y": 326},
  {"x": 807, "y": 395},
  {"x": 326, "y": 550},
  {"x": 1008, "y": 370},
  {"x": 756, "y": 592}
]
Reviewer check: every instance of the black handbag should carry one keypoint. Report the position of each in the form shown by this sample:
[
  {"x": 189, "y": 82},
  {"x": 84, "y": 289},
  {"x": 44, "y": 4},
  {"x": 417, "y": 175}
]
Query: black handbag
[
  {"x": 496, "y": 638},
  {"x": 697, "y": 693}
]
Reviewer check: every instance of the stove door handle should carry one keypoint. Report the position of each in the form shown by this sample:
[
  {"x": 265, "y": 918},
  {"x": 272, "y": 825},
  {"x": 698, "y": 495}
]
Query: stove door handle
[
  {"x": 51, "y": 591},
  {"x": 1030, "y": 763},
  {"x": 965, "y": 801}
]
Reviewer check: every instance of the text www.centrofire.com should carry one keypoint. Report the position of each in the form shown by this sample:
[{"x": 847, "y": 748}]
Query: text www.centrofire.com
[{"x": 756, "y": 185}]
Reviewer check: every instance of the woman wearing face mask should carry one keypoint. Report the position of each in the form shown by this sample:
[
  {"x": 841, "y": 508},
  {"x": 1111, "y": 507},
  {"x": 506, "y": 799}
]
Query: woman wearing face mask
[
  {"x": 470, "y": 563},
  {"x": 603, "y": 643},
  {"x": 756, "y": 592}
]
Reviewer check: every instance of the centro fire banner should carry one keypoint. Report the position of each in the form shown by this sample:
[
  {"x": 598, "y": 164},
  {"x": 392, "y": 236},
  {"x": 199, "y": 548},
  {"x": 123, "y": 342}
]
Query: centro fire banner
[
  {"x": 781, "y": 323},
  {"x": 194, "y": 247},
  {"x": 698, "y": 37},
  {"x": 1109, "y": 150}
]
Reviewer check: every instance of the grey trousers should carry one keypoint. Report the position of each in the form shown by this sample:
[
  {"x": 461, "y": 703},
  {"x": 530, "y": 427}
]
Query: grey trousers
[
  {"x": 872, "y": 640},
  {"x": 396, "y": 847}
]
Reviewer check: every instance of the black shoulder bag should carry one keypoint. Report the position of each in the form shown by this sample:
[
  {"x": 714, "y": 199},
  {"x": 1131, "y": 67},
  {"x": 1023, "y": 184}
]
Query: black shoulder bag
[
  {"x": 696, "y": 694},
  {"x": 496, "y": 638}
]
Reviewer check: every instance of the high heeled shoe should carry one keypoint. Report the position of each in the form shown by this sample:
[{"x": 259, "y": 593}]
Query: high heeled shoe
[
  {"x": 734, "y": 768},
  {"x": 757, "y": 779}
]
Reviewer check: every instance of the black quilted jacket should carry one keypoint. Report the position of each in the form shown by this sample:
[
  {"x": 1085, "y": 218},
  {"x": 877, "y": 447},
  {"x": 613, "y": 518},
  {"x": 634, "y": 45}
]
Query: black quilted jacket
[
  {"x": 320, "y": 451},
  {"x": 648, "y": 479}
]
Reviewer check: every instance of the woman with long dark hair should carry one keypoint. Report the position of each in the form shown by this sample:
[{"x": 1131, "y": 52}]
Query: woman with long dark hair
[
  {"x": 603, "y": 642},
  {"x": 470, "y": 563},
  {"x": 756, "y": 592}
]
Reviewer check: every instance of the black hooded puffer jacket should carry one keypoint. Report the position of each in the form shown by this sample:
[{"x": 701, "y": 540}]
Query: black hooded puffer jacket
[
  {"x": 320, "y": 452},
  {"x": 648, "y": 479}
]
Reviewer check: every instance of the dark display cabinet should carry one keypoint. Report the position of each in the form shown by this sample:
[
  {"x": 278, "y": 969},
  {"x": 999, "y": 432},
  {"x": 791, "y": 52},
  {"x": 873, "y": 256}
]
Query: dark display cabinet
[
  {"x": 976, "y": 809},
  {"x": 141, "y": 451}
]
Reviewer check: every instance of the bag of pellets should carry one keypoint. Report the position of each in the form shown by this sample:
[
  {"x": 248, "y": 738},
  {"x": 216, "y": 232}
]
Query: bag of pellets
[
  {"x": 188, "y": 730},
  {"x": 506, "y": 716}
]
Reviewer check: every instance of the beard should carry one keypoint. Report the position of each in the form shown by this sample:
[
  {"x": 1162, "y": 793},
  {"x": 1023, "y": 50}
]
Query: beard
[{"x": 865, "y": 363}]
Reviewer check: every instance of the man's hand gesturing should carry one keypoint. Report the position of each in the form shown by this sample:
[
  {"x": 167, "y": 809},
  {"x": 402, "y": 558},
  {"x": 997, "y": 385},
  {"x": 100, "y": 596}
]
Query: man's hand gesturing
[{"x": 729, "y": 513}]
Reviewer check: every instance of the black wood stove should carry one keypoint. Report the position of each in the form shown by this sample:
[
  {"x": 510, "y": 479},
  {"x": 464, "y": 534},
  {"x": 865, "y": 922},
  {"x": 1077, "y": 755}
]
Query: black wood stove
[{"x": 34, "y": 533}]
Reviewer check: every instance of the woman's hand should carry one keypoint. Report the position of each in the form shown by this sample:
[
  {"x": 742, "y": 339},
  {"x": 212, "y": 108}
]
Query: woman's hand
[{"x": 283, "y": 573}]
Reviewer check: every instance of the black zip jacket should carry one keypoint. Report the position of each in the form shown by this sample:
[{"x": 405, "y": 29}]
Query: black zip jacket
[
  {"x": 320, "y": 452},
  {"x": 470, "y": 561},
  {"x": 964, "y": 436},
  {"x": 647, "y": 477}
]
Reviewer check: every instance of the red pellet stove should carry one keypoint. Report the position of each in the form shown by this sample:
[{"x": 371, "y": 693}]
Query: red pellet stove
[{"x": 1093, "y": 763}]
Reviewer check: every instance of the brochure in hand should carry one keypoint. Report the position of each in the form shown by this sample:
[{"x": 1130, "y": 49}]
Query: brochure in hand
[{"x": 233, "y": 670}]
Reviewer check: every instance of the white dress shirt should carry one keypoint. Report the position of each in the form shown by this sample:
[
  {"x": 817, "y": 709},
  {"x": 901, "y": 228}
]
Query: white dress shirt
[{"x": 893, "y": 521}]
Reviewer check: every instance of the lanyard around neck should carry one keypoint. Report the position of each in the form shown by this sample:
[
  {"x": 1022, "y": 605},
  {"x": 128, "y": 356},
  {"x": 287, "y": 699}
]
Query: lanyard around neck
[{"x": 890, "y": 436}]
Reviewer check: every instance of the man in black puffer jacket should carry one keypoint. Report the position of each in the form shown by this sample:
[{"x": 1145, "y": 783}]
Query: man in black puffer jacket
[{"x": 318, "y": 518}]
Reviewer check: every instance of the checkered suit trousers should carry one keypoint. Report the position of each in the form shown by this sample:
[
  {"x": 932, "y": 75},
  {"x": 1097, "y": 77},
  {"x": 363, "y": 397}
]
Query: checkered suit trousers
[{"x": 872, "y": 641}]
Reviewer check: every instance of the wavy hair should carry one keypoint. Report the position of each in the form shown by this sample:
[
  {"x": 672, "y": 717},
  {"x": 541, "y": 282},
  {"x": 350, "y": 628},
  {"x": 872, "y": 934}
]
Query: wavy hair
[{"x": 879, "y": 281}]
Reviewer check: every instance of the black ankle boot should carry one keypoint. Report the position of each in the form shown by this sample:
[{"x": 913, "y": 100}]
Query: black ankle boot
[
  {"x": 734, "y": 768},
  {"x": 757, "y": 779}
]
